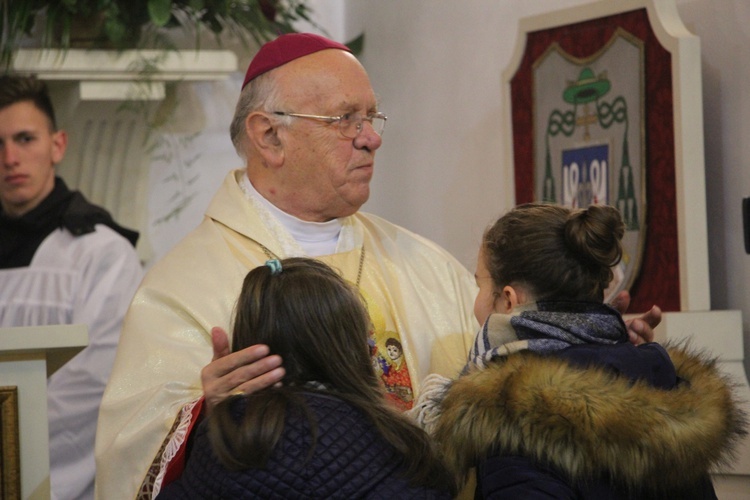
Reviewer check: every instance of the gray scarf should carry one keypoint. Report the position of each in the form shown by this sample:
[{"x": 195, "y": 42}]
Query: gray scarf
[{"x": 544, "y": 327}]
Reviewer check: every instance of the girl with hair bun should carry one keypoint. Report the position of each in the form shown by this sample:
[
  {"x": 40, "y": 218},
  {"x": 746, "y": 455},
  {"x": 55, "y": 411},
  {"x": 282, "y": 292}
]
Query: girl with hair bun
[{"x": 554, "y": 401}]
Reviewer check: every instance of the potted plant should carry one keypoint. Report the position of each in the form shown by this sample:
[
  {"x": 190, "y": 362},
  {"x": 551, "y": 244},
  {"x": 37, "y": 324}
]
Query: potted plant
[{"x": 59, "y": 24}]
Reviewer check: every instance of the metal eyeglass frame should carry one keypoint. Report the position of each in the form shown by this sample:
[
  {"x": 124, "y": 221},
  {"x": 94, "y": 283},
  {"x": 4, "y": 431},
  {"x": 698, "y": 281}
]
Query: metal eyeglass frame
[{"x": 345, "y": 121}]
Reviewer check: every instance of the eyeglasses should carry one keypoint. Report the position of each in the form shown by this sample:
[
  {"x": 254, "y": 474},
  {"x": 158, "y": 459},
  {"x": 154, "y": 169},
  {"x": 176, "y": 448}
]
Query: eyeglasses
[{"x": 350, "y": 124}]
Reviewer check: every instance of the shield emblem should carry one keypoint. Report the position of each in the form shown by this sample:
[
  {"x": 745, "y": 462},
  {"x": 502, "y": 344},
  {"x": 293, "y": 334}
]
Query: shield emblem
[{"x": 589, "y": 131}]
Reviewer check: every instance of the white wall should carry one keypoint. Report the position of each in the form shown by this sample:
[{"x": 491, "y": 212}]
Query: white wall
[
  {"x": 437, "y": 67},
  {"x": 724, "y": 29}
]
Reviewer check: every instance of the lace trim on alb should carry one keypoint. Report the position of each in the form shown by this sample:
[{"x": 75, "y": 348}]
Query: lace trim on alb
[{"x": 175, "y": 443}]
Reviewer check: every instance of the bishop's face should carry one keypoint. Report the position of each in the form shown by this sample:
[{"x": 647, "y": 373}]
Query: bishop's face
[{"x": 327, "y": 175}]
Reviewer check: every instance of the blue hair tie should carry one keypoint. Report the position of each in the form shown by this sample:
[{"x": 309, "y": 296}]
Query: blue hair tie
[{"x": 275, "y": 266}]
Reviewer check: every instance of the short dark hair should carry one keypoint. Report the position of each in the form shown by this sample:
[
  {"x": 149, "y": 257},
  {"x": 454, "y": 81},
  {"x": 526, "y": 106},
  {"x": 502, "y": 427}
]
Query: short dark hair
[{"x": 19, "y": 88}]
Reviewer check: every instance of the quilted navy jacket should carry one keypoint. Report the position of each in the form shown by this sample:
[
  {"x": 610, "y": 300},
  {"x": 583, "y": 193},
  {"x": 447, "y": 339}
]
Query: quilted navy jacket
[{"x": 350, "y": 460}]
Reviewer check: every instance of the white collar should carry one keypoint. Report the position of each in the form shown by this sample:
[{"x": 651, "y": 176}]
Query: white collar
[{"x": 300, "y": 238}]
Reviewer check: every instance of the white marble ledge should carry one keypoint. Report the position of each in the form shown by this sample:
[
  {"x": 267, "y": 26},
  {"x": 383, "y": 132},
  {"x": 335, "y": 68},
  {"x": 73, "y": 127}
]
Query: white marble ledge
[
  {"x": 82, "y": 64},
  {"x": 56, "y": 343},
  {"x": 120, "y": 75}
]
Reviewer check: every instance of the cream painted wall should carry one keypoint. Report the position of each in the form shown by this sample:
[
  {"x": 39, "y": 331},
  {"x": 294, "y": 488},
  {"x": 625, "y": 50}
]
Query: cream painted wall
[
  {"x": 724, "y": 29},
  {"x": 437, "y": 67}
]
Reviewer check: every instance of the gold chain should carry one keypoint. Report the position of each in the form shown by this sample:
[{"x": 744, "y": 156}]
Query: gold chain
[
  {"x": 361, "y": 265},
  {"x": 271, "y": 255}
]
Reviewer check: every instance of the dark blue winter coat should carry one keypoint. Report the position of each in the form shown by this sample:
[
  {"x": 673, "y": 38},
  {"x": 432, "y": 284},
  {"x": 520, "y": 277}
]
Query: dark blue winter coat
[
  {"x": 350, "y": 460},
  {"x": 592, "y": 422}
]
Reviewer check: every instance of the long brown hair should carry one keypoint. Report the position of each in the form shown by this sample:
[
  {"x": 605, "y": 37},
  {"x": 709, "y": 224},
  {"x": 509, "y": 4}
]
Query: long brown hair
[
  {"x": 555, "y": 251},
  {"x": 318, "y": 324}
]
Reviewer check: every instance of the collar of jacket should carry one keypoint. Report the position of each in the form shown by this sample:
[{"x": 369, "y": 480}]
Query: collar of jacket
[
  {"x": 63, "y": 208},
  {"x": 592, "y": 423}
]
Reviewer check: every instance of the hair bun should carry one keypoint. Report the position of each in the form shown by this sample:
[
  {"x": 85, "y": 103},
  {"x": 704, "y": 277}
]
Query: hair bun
[{"x": 595, "y": 233}]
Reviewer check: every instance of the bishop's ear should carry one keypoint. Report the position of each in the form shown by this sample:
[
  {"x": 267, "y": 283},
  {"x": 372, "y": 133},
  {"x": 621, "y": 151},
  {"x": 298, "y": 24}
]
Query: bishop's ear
[{"x": 263, "y": 135}]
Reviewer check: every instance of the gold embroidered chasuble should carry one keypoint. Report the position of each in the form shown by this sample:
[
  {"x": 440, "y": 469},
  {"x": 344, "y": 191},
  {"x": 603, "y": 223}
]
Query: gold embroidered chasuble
[{"x": 416, "y": 293}]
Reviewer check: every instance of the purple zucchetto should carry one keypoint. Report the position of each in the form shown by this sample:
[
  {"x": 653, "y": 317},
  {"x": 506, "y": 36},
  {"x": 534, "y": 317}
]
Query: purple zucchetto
[{"x": 287, "y": 48}]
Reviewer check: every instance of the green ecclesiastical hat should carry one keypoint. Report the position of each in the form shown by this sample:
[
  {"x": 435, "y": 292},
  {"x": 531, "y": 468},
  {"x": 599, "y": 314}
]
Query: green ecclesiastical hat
[{"x": 589, "y": 87}]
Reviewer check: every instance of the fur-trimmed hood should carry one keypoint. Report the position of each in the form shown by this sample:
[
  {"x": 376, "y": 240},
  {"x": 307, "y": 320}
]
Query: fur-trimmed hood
[{"x": 592, "y": 424}]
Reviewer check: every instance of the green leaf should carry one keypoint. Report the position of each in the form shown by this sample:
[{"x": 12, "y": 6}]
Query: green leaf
[
  {"x": 196, "y": 5},
  {"x": 357, "y": 44},
  {"x": 115, "y": 30},
  {"x": 159, "y": 11}
]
